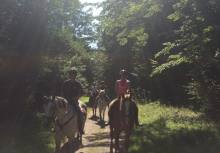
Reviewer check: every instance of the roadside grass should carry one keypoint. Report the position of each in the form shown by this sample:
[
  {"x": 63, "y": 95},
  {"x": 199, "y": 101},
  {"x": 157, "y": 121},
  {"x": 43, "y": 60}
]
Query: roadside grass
[
  {"x": 84, "y": 99},
  {"x": 26, "y": 137},
  {"x": 165, "y": 129},
  {"x": 174, "y": 130}
]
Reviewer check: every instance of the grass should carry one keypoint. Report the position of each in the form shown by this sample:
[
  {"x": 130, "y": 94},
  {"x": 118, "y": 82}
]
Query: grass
[
  {"x": 174, "y": 130},
  {"x": 84, "y": 99},
  {"x": 27, "y": 136},
  {"x": 166, "y": 129}
]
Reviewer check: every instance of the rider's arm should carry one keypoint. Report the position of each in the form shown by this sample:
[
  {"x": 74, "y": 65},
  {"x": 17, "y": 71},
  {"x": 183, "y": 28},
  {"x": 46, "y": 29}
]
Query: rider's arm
[{"x": 129, "y": 87}]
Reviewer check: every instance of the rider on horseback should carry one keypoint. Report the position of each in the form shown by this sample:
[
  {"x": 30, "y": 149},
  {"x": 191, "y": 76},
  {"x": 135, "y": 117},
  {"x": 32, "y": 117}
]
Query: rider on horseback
[
  {"x": 102, "y": 86},
  {"x": 72, "y": 91},
  {"x": 122, "y": 87}
]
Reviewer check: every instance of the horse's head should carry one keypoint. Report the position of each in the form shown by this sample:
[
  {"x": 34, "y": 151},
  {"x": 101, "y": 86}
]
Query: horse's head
[
  {"x": 102, "y": 93},
  {"x": 125, "y": 103},
  {"x": 54, "y": 107},
  {"x": 49, "y": 106}
]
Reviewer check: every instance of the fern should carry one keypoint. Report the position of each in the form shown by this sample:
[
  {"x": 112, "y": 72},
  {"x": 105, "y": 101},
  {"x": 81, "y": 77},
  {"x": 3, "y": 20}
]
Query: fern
[{"x": 170, "y": 64}]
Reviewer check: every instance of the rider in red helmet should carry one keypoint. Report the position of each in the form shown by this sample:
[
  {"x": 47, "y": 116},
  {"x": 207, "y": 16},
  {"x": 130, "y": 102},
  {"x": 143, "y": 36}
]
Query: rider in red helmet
[{"x": 122, "y": 87}]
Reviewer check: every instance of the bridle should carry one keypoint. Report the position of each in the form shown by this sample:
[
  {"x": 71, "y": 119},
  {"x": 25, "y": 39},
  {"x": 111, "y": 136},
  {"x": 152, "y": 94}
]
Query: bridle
[
  {"x": 51, "y": 116},
  {"x": 65, "y": 123}
]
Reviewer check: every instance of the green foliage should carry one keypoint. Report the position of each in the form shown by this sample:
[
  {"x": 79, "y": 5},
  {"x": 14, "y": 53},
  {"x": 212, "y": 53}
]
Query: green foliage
[
  {"x": 175, "y": 16},
  {"x": 194, "y": 45},
  {"x": 174, "y": 61},
  {"x": 40, "y": 40},
  {"x": 170, "y": 130},
  {"x": 166, "y": 50},
  {"x": 164, "y": 43},
  {"x": 27, "y": 137}
]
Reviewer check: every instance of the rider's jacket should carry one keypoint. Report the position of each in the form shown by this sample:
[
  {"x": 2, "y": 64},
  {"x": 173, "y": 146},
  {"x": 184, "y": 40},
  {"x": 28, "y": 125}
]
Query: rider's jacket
[{"x": 72, "y": 90}]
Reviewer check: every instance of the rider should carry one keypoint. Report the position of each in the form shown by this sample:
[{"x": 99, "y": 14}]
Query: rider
[
  {"x": 102, "y": 86},
  {"x": 122, "y": 87},
  {"x": 72, "y": 91},
  {"x": 93, "y": 91}
]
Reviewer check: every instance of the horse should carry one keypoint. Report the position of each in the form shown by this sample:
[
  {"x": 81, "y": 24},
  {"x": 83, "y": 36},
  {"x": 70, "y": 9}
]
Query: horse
[
  {"x": 121, "y": 118},
  {"x": 102, "y": 103},
  {"x": 65, "y": 117},
  {"x": 93, "y": 102}
]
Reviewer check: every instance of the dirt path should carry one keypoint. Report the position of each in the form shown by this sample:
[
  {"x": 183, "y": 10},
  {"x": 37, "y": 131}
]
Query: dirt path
[{"x": 96, "y": 138}]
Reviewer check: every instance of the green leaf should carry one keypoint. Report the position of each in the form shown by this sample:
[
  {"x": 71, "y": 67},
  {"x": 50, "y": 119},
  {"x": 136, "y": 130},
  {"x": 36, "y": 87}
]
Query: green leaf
[
  {"x": 175, "y": 16},
  {"x": 170, "y": 64}
]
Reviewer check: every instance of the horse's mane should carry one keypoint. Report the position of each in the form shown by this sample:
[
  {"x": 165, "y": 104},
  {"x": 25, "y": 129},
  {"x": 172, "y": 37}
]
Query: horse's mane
[{"x": 60, "y": 101}]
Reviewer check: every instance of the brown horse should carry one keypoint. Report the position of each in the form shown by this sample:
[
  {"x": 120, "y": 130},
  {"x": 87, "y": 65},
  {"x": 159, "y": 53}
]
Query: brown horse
[{"x": 121, "y": 118}]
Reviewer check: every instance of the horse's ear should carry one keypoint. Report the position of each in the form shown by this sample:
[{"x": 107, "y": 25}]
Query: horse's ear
[
  {"x": 45, "y": 98},
  {"x": 63, "y": 104}
]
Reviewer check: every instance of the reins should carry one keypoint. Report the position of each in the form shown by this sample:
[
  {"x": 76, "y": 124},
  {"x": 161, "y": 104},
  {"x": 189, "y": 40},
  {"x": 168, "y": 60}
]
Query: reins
[
  {"x": 57, "y": 121},
  {"x": 65, "y": 123}
]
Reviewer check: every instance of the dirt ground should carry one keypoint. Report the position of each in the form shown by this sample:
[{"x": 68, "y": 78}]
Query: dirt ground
[{"x": 95, "y": 139}]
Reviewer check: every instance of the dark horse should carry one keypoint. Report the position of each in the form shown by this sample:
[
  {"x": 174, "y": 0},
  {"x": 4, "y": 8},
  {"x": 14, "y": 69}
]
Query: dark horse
[
  {"x": 121, "y": 118},
  {"x": 93, "y": 102}
]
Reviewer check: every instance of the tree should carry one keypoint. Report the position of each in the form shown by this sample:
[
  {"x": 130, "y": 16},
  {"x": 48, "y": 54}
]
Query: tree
[{"x": 195, "y": 45}]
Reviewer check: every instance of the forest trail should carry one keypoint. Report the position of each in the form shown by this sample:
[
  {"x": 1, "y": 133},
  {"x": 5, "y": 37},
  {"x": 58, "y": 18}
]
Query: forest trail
[{"x": 96, "y": 138}]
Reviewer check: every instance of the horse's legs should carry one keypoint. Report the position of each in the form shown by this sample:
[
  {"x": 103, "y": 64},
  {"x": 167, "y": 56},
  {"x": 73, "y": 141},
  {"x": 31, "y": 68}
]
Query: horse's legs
[
  {"x": 127, "y": 136},
  {"x": 104, "y": 114},
  {"x": 79, "y": 137},
  {"x": 58, "y": 142},
  {"x": 100, "y": 114},
  {"x": 111, "y": 139},
  {"x": 117, "y": 133},
  {"x": 93, "y": 109}
]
